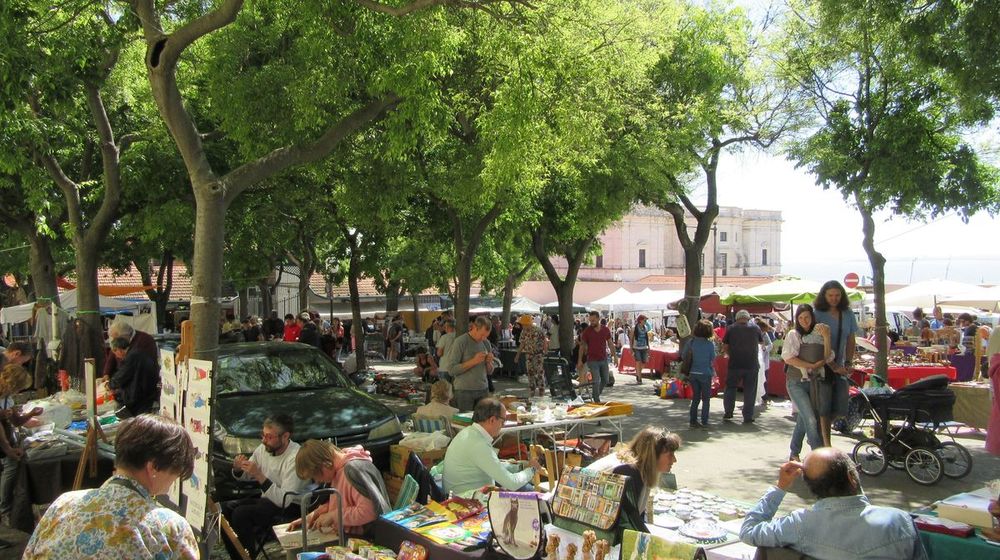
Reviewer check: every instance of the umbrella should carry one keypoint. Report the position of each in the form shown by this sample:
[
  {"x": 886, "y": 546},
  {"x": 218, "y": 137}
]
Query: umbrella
[
  {"x": 553, "y": 307},
  {"x": 792, "y": 290},
  {"x": 981, "y": 298},
  {"x": 928, "y": 293}
]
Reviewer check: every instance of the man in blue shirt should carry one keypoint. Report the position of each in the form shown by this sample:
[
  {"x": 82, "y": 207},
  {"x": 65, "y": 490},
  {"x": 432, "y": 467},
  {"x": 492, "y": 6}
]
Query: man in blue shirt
[{"x": 841, "y": 524}]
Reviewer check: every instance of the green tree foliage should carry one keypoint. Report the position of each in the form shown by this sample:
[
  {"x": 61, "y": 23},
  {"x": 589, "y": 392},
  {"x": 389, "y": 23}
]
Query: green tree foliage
[
  {"x": 69, "y": 98},
  {"x": 957, "y": 37},
  {"x": 715, "y": 94},
  {"x": 889, "y": 133}
]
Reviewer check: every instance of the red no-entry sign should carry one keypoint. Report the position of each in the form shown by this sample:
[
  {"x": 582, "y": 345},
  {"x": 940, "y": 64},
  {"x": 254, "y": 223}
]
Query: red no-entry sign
[{"x": 851, "y": 280}]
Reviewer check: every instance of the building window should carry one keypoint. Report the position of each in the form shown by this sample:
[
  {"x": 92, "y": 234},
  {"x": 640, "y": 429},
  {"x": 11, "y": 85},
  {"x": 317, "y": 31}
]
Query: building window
[
  {"x": 724, "y": 263},
  {"x": 642, "y": 258},
  {"x": 722, "y": 236},
  {"x": 599, "y": 261},
  {"x": 763, "y": 257}
]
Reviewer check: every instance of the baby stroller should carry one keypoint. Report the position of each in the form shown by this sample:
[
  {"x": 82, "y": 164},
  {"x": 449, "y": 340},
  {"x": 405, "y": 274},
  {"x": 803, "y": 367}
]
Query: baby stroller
[{"x": 906, "y": 423}]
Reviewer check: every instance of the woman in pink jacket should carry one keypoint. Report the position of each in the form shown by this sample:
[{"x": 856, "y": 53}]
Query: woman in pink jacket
[{"x": 352, "y": 473}]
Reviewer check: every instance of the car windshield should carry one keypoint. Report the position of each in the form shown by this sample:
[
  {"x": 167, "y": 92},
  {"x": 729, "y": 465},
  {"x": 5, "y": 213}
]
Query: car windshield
[{"x": 277, "y": 370}]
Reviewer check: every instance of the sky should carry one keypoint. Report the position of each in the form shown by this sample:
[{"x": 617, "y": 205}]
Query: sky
[{"x": 821, "y": 234}]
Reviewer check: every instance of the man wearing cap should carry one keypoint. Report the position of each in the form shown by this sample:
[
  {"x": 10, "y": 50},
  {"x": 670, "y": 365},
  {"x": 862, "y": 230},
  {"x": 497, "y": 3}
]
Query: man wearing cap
[
  {"x": 533, "y": 345},
  {"x": 640, "y": 346},
  {"x": 741, "y": 344}
]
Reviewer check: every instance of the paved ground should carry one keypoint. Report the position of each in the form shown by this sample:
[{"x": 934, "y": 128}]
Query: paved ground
[{"x": 739, "y": 462}]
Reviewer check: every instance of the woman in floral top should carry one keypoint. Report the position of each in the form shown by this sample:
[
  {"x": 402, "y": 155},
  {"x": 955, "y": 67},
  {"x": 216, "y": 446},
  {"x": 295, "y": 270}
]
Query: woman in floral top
[
  {"x": 533, "y": 345},
  {"x": 121, "y": 519}
]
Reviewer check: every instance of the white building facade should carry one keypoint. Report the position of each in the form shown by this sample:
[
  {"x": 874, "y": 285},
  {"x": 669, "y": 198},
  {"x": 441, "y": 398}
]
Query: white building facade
[{"x": 644, "y": 243}]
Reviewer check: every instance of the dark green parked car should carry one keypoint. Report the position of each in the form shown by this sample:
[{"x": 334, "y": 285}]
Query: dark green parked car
[{"x": 255, "y": 379}]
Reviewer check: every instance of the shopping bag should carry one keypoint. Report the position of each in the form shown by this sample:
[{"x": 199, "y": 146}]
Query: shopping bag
[{"x": 516, "y": 519}]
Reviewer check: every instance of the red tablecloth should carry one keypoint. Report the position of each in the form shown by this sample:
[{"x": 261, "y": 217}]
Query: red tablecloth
[
  {"x": 659, "y": 360},
  {"x": 902, "y": 376},
  {"x": 774, "y": 384}
]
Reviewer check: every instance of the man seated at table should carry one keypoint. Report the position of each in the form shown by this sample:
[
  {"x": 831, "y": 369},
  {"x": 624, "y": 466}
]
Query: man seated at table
[
  {"x": 471, "y": 462},
  {"x": 272, "y": 465},
  {"x": 841, "y": 524}
]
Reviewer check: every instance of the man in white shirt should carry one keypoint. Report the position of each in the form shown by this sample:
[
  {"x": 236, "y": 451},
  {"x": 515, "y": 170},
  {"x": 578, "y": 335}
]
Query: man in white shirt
[
  {"x": 471, "y": 462},
  {"x": 272, "y": 465}
]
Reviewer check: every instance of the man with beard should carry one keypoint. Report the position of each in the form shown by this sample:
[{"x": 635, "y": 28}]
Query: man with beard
[{"x": 272, "y": 465}]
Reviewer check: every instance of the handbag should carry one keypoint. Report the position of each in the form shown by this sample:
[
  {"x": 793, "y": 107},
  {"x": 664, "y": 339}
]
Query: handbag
[
  {"x": 587, "y": 500},
  {"x": 516, "y": 520},
  {"x": 686, "y": 360},
  {"x": 830, "y": 374}
]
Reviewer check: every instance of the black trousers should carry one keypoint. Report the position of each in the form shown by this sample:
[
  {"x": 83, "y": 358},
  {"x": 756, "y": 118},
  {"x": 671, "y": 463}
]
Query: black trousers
[{"x": 251, "y": 517}]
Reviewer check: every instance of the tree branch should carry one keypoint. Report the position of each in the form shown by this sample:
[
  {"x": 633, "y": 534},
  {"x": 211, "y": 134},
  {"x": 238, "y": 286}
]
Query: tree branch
[
  {"x": 538, "y": 247},
  {"x": 108, "y": 211},
  {"x": 237, "y": 180}
]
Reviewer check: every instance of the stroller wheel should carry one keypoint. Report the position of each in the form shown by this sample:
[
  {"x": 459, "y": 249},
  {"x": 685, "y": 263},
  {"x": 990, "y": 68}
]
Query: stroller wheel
[
  {"x": 870, "y": 457},
  {"x": 923, "y": 466},
  {"x": 956, "y": 459}
]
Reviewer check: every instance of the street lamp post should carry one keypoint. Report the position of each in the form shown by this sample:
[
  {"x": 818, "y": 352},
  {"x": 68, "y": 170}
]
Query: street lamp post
[{"x": 715, "y": 255}]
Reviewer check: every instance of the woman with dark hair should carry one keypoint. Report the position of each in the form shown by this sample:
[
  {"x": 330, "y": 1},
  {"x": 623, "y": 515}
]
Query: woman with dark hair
[
  {"x": 122, "y": 518},
  {"x": 833, "y": 310},
  {"x": 805, "y": 351},
  {"x": 702, "y": 352}
]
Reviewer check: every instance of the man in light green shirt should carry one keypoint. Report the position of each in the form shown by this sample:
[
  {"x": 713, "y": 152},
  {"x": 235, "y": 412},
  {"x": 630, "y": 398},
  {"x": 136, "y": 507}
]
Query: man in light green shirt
[{"x": 471, "y": 462}]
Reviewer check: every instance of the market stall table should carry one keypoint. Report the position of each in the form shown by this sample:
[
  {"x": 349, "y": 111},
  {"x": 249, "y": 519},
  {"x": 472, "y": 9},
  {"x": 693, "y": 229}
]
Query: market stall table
[
  {"x": 660, "y": 359},
  {"x": 41, "y": 481},
  {"x": 774, "y": 384},
  {"x": 972, "y": 403},
  {"x": 901, "y": 376}
]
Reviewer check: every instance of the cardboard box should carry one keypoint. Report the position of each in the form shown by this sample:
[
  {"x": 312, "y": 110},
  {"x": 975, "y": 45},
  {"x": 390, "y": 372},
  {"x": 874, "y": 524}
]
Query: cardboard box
[
  {"x": 972, "y": 508},
  {"x": 399, "y": 455}
]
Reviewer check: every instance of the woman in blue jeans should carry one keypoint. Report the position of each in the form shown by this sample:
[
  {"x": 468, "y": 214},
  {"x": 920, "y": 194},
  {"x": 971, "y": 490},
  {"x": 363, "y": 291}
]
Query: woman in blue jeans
[
  {"x": 805, "y": 350},
  {"x": 702, "y": 352}
]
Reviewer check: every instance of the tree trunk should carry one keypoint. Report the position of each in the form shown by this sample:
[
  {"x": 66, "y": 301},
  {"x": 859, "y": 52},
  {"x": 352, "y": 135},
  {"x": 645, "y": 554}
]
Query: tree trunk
[
  {"x": 463, "y": 289},
  {"x": 43, "y": 268},
  {"x": 508, "y": 299},
  {"x": 352, "y": 286},
  {"x": 877, "y": 262},
  {"x": 305, "y": 272},
  {"x": 206, "y": 285},
  {"x": 563, "y": 287},
  {"x": 264, "y": 287},
  {"x": 391, "y": 297},
  {"x": 244, "y": 295},
  {"x": 88, "y": 305},
  {"x": 416, "y": 315}
]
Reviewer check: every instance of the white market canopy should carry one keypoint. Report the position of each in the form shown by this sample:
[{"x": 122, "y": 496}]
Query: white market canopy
[
  {"x": 553, "y": 307},
  {"x": 978, "y": 297},
  {"x": 791, "y": 290},
  {"x": 622, "y": 300},
  {"x": 68, "y": 302},
  {"x": 929, "y": 293}
]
